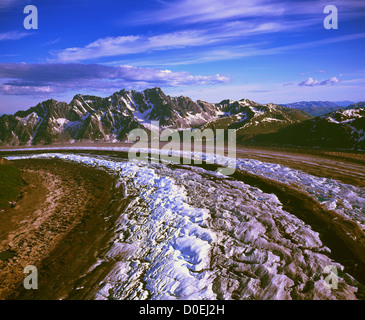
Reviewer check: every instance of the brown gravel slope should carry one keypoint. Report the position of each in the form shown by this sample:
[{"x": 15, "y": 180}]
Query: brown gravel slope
[{"x": 47, "y": 227}]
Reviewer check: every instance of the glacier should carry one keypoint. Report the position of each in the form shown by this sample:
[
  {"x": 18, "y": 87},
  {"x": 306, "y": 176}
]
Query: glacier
[{"x": 191, "y": 233}]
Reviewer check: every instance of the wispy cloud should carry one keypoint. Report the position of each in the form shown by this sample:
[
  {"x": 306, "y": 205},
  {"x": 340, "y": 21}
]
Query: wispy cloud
[
  {"x": 206, "y": 11},
  {"x": 8, "y": 89},
  {"x": 24, "y": 79},
  {"x": 261, "y": 17},
  {"x": 229, "y": 52},
  {"x": 13, "y": 35},
  {"x": 354, "y": 81},
  {"x": 4, "y": 4},
  {"x": 52, "y": 42},
  {"x": 310, "y": 82},
  {"x": 191, "y": 11},
  {"x": 134, "y": 44}
]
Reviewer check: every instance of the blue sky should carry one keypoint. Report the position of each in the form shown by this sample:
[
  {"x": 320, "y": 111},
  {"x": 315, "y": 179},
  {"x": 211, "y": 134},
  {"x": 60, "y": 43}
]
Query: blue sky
[{"x": 267, "y": 51}]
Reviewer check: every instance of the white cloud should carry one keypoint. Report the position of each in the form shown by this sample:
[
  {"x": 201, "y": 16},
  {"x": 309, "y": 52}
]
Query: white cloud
[
  {"x": 51, "y": 42},
  {"x": 13, "y": 35},
  {"x": 207, "y": 11},
  {"x": 8, "y": 89},
  {"x": 7, "y": 3},
  {"x": 192, "y": 11},
  {"x": 331, "y": 81},
  {"x": 25, "y": 79},
  {"x": 133, "y": 44},
  {"x": 229, "y": 52},
  {"x": 310, "y": 82}
]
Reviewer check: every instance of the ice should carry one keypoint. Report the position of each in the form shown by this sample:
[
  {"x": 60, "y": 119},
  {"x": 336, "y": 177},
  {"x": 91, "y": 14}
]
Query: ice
[
  {"x": 181, "y": 227},
  {"x": 316, "y": 187},
  {"x": 325, "y": 189},
  {"x": 257, "y": 242},
  {"x": 185, "y": 246}
]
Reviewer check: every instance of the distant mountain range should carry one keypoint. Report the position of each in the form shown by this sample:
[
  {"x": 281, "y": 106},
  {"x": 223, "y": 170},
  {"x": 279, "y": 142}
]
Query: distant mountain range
[
  {"x": 318, "y": 108},
  {"x": 344, "y": 128},
  {"x": 91, "y": 118},
  {"x": 110, "y": 119},
  {"x": 250, "y": 118}
]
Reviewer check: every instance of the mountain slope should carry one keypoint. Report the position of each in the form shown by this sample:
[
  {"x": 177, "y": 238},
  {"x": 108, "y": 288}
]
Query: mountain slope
[
  {"x": 356, "y": 105},
  {"x": 343, "y": 128},
  {"x": 110, "y": 119},
  {"x": 251, "y": 118},
  {"x": 94, "y": 118}
]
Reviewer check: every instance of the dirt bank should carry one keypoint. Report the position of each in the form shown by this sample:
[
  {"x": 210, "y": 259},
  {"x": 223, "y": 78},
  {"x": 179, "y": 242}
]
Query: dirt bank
[{"x": 53, "y": 227}]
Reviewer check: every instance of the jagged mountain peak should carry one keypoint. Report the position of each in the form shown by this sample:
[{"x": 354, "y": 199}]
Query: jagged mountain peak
[
  {"x": 243, "y": 101},
  {"x": 226, "y": 102},
  {"x": 156, "y": 90},
  {"x": 89, "y": 117},
  {"x": 249, "y": 102}
]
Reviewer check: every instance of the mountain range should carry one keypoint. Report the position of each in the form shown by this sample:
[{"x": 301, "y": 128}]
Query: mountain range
[
  {"x": 110, "y": 119},
  {"x": 93, "y": 118},
  {"x": 318, "y": 108},
  {"x": 344, "y": 128}
]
